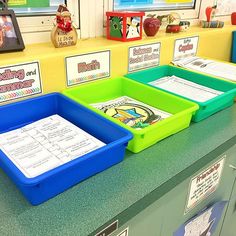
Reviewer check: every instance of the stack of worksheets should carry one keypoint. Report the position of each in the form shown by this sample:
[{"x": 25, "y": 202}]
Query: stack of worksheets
[
  {"x": 186, "y": 88},
  {"x": 46, "y": 144},
  {"x": 208, "y": 66}
]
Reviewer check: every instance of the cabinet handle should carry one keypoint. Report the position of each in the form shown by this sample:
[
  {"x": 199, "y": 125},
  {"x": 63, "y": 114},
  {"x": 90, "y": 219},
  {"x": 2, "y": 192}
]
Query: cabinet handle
[{"x": 233, "y": 167}]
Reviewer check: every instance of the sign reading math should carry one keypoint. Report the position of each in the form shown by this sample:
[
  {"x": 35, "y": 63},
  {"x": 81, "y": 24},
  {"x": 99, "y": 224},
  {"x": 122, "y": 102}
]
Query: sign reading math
[
  {"x": 141, "y": 57},
  {"x": 19, "y": 81},
  {"x": 185, "y": 47},
  {"x": 87, "y": 67}
]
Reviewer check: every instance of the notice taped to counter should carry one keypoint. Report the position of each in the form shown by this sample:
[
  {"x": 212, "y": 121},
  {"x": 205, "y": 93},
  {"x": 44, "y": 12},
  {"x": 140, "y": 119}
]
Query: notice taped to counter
[
  {"x": 204, "y": 184},
  {"x": 46, "y": 144},
  {"x": 186, "y": 88},
  {"x": 204, "y": 223},
  {"x": 207, "y": 66},
  {"x": 131, "y": 112},
  {"x": 20, "y": 80}
]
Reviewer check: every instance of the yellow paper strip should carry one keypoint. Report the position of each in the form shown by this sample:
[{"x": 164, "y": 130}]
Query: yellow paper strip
[
  {"x": 17, "y": 2},
  {"x": 178, "y": 1}
]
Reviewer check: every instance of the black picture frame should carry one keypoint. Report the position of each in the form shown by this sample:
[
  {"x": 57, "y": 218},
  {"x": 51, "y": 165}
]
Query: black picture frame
[{"x": 10, "y": 37}]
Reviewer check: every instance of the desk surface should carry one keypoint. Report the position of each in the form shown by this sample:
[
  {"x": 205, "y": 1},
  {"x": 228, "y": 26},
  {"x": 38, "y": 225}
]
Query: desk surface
[{"x": 118, "y": 190}]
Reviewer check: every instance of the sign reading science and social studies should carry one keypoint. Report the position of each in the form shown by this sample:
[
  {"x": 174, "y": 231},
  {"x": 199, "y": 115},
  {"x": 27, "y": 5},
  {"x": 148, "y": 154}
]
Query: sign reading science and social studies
[
  {"x": 185, "y": 47},
  {"x": 20, "y": 80},
  {"x": 144, "y": 56},
  {"x": 86, "y": 67}
]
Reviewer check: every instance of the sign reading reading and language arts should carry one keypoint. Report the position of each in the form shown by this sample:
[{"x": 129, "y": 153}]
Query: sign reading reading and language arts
[
  {"x": 141, "y": 57},
  {"x": 87, "y": 67},
  {"x": 19, "y": 81},
  {"x": 205, "y": 183},
  {"x": 185, "y": 47}
]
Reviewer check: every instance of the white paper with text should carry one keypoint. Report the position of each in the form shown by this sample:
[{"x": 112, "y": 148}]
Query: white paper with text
[
  {"x": 215, "y": 68},
  {"x": 186, "y": 88},
  {"x": 46, "y": 144}
]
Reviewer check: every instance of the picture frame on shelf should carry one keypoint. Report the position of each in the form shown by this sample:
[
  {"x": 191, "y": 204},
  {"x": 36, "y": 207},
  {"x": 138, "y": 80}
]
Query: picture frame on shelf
[{"x": 10, "y": 36}]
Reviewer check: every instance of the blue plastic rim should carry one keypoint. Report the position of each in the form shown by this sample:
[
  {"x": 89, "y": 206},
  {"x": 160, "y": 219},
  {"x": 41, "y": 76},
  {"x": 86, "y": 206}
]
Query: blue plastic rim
[
  {"x": 53, "y": 182},
  {"x": 233, "y": 54}
]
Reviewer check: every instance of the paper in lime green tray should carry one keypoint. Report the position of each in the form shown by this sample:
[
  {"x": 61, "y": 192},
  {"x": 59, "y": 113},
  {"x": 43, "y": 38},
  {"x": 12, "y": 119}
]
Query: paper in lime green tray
[{"x": 108, "y": 89}]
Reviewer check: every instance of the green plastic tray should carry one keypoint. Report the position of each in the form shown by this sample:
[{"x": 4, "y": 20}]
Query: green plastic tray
[
  {"x": 207, "y": 108},
  {"x": 108, "y": 89}
]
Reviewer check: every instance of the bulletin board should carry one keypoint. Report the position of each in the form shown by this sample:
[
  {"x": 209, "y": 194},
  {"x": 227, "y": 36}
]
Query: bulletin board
[{"x": 225, "y": 7}]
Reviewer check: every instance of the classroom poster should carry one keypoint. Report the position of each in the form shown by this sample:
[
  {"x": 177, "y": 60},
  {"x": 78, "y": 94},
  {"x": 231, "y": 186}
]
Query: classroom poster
[
  {"x": 144, "y": 56},
  {"x": 20, "y": 80},
  {"x": 225, "y": 7},
  {"x": 86, "y": 67},
  {"x": 204, "y": 223}
]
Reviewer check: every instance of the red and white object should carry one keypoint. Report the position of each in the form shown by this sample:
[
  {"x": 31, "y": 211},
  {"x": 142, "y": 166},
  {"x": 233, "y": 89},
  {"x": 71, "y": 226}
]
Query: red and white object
[
  {"x": 151, "y": 26},
  {"x": 233, "y": 18},
  {"x": 210, "y": 13}
]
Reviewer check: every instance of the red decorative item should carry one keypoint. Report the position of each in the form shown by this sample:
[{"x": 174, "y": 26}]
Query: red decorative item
[
  {"x": 64, "y": 25},
  {"x": 233, "y": 18},
  {"x": 210, "y": 13},
  {"x": 172, "y": 28},
  {"x": 151, "y": 26},
  {"x": 63, "y": 33},
  {"x": 124, "y": 26},
  {"x": 63, "y": 19}
]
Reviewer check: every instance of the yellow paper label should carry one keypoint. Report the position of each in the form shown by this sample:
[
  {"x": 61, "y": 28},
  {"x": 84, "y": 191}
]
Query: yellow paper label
[
  {"x": 17, "y": 2},
  {"x": 178, "y": 1}
]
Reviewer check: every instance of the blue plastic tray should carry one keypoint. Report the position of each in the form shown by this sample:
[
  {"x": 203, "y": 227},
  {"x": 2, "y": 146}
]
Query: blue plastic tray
[{"x": 55, "y": 181}]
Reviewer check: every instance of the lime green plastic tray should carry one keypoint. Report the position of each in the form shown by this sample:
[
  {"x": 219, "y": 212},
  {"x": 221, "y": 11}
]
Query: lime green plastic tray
[
  {"x": 207, "y": 108},
  {"x": 108, "y": 89}
]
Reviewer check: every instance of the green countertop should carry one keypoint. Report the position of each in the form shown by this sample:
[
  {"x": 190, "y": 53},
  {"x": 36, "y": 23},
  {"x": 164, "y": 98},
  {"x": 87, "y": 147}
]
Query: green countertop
[{"x": 123, "y": 190}]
